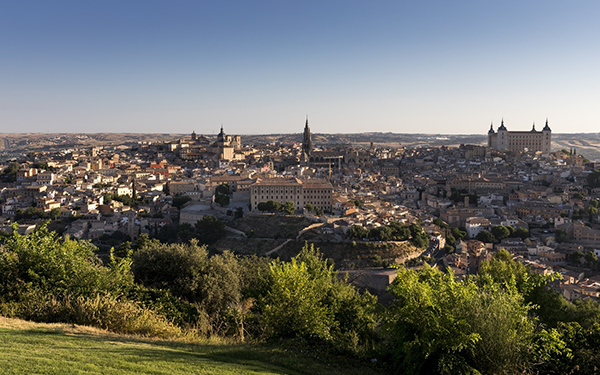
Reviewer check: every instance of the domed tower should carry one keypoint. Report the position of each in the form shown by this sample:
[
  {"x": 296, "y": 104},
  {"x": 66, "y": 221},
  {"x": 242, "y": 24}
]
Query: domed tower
[
  {"x": 221, "y": 136},
  {"x": 546, "y": 139}
]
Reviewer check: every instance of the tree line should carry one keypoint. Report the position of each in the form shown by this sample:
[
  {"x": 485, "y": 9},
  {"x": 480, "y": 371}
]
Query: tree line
[{"x": 504, "y": 320}]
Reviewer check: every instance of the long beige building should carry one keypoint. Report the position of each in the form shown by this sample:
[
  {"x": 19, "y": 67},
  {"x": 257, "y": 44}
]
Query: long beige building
[
  {"x": 532, "y": 140},
  {"x": 319, "y": 193}
]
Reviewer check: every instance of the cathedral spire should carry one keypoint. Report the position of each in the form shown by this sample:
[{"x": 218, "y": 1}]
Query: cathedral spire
[{"x": 306, "y": 142}]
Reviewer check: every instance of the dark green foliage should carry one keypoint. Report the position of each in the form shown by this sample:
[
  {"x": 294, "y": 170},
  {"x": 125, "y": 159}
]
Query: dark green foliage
[
  {"x": 458, "y": 233},
  {"x": 418, "y": 237},
  {"x": 222, "y": 200},
  {"x": 29, "y": 213},
  {"x": 523, "y": 233},
  {"x": 115, "y": 239},
  {"x": 440, "y": 223},
  {"x": 179, "y": 201},
  {"x": 358, "y": 231},
  {"x": 485, "y": 236},
  {"x": 395, "y": 231},
  {"x": 9, "y": 174},
  {"x": 239, "y": 213},
  {"x": 210, "y": 229},
  {"x": 500, "y": 232},
  {"x": 222, "y": 287},
  {"x": 175, "y": 267},
  {"x": 593, "y": 179},
  {"x": 222, "y": 195},
  {"x": 288, "y": 208},
  {"x": 561, "y": 235},
  {"x": 125, "y": 199},
  {"x": 272, "y": 206}
]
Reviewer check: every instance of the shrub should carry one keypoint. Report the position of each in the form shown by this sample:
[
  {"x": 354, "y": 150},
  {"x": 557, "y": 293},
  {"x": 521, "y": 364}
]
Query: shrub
[
  {"x": 307, "y": 300},
  {"x": 101, "y": 311}
]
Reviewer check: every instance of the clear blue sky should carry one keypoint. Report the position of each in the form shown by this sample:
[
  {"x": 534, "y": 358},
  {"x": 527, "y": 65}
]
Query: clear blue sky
[{"x": 262, "y": 66}]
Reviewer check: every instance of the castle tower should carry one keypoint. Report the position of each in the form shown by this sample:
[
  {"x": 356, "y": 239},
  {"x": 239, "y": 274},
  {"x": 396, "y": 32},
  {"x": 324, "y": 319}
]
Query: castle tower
[
  {"x": 502, "y": 137},
  {"x": 546, "y": 138},
  {"x": 306, "y": 142}
]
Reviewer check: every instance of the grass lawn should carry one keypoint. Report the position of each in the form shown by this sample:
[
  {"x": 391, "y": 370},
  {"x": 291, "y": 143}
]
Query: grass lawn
[{"x": 33, "y": 348}]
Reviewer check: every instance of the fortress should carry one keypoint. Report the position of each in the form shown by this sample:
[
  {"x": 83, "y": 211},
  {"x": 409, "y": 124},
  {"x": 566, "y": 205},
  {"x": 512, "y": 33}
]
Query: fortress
[{"x": 533, "y": 140}]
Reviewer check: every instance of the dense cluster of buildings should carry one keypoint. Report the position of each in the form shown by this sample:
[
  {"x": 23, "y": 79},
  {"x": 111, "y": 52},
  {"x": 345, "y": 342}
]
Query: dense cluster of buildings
[{"x": 515, "y": 180}]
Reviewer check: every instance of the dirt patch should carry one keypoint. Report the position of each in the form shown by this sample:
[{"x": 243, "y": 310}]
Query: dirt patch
[
  {"x": 345, "y": 255},
  {"x": 270, "y": 226}
]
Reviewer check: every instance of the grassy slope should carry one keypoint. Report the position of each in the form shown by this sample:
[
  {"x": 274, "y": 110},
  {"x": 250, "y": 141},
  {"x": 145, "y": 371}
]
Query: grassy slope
[{"x": 33, "y": 348}]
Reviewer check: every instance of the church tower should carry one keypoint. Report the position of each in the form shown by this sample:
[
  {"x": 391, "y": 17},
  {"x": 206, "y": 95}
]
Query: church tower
[{"x": 306, "y": 143}]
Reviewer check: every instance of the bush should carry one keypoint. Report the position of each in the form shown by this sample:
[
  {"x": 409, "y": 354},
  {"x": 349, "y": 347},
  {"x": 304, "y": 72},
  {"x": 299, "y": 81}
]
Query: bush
[
  {"x": 307, "y": 300},
  {"x": 41, "y": 261},
  {"x": 101, "y": 311},
  {"x": 440, "y": 325}
]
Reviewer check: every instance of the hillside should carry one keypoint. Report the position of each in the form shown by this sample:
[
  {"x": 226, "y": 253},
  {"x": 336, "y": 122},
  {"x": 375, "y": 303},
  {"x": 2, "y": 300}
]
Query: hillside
[{"x": 35, "y": 348}]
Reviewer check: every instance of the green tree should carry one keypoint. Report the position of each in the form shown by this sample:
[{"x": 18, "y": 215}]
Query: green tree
[
  {"x": 222, "y": 189},
  {"x": 485, "y": 236},
  {"x": 500, "y": 232},
  {"x": 523, "y": 233},
  {"x": 561, "y": 236},
  {"x": 180, "y": 201},
  {"x": 458, "y": 233},
  {"x": 239, "y": 212},
  {"x": 592, "y": 212},
  {"x": 176, "y": 267},
  {"x": 440, "y": 223},
  {"x": 288, "y": 208},
  {"x": 593, "y": 179},
  {"x": 222, "y": 195},
  {"x": 222, "y": 200},
  {"x": 210, "y": 229},
  {"x": 55, "y": 213},
  {"x": 9, "y": 174},
  {"x": 358, "y": 231}
]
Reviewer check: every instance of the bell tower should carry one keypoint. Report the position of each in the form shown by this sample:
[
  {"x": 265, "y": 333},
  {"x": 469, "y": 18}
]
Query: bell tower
[{"x": 306, "y": 143}]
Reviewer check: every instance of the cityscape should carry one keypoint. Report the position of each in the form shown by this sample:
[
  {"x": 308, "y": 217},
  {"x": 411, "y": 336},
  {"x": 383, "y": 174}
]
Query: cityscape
[{"x": 299, "y": 188}]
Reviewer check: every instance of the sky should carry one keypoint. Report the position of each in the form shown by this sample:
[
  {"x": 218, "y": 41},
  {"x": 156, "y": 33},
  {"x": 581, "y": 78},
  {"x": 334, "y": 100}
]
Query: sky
[{"x": 260, "y": 67}]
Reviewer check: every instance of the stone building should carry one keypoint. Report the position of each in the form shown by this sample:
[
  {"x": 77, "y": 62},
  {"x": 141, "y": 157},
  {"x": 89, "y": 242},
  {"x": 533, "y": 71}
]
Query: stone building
[
  {"x": 317, "y": 192},
  {"x": 199, "y": 147},
  {"x": 533, "y": 140}
]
